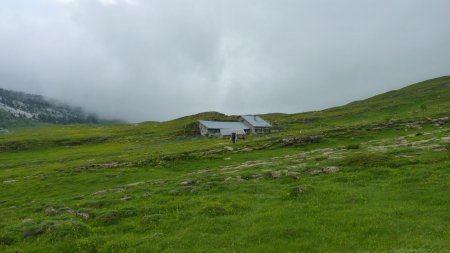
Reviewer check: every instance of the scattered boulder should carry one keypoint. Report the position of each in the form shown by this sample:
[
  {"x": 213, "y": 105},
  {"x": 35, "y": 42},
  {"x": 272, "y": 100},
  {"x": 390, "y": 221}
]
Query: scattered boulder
[
  {"x": 189, "y": 181},
  {"x": 413, "y": 125},
  {"x": 10, "y": 181},
  {"x": 297, "y": 190},
  {"x": 126, "y": 198},
  {"x": 50, "y": 211},
  {"x": 275, "y": 174},
  {"x": 228, "y": 148},
  {"x": 83, "y": 215},
  {"x": 315, "y": 172},
  {"x": 118, "y": 189},
  {"x": 331, "y": 169},
  {"x": 99, "y": 192},
  {"x": 255, "y": 176},
  {"x": 293, "y": 175},
  {"x": 27, "y": 220},
  {"x": 302, "y": 140},
  {"x": 134, "y": 184},
  {"x": 439, "y": 121}
]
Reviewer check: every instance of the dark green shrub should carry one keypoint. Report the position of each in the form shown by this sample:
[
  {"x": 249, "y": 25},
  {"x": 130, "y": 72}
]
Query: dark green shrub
[
  {"x": 353, "y": 146},
  {"x": 6, "y": 240}
]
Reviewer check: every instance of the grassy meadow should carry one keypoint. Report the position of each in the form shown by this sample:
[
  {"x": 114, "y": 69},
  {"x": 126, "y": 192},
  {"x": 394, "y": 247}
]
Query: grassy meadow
[{"x": 370, "y": 176}]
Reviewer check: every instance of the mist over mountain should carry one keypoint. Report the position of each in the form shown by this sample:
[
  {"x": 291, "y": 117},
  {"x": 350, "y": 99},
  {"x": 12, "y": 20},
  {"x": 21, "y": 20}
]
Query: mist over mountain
[{"x": 20, "y": 109}]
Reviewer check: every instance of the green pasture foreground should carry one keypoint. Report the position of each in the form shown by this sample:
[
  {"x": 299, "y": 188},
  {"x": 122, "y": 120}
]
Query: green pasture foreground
[{"x": 389, "y": 193}]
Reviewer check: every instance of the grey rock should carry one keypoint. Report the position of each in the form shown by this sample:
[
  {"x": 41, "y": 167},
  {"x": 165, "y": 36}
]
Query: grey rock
[
  {"x": 126, "y": 198},
  {"x": 27, "y": 220},
  {"x": 83, "y": 215},
  {"x": 298, "y": 190},
  {"x": 50, "y": 211},
  {"x": 293, "y": 175},
  {"x": 189, "y": 181},
  {"x": 330, "y": 169},
  {"x": 275, "y": 174}
]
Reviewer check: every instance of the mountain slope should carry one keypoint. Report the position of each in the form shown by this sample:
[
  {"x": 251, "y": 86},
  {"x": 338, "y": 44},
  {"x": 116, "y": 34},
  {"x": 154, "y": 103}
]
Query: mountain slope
[
  {"x": 429, "y": 98},
  {"x": 21, "y": 109}
]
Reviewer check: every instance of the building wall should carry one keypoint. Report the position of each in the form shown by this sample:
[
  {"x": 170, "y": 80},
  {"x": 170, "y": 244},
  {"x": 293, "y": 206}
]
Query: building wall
[
  {"x": 262, "y": 130},
  {"x": 214, "y": 132},
  {"x": 203, "y": 129}
]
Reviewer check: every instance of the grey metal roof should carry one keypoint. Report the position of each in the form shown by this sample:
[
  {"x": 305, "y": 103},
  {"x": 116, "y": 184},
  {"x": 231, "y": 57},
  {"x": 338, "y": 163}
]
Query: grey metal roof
[
  {"x": 256, "y": 121},
  {"x": 227, "y": 131},
  {"x": 223, "y": 125}
]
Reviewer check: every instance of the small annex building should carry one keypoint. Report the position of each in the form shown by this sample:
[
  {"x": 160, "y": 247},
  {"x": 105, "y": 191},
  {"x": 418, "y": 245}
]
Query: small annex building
[
  {"x": 256, "y": 124},
  {"x": 222, "y": 129}
]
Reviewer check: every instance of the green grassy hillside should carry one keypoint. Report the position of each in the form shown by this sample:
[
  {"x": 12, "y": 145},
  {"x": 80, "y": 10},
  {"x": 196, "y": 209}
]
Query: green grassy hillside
[
  {"x": 425, "y": 99},
  {"x": 370, "y": 176}
]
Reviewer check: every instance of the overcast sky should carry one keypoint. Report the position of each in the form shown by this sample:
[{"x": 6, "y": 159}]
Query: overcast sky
[{"x": 144, "y": 60}]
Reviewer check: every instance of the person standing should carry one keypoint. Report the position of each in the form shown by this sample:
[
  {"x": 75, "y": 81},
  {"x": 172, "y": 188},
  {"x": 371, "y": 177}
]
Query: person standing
[{"x": 233, "y": 137}]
